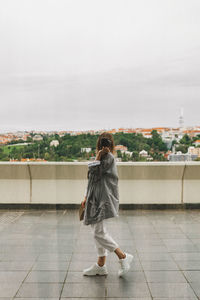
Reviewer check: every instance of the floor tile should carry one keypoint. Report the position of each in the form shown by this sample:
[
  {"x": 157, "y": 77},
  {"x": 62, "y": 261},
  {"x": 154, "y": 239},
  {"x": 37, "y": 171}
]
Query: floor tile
[
  {"x": 189, "y": 265},
  {"x": 170, "y": 290},
  {"x": 165, "y": 276},
  {"x": 192, "y": 276},
  {"x": 159, "y": 265},
  {"x": 12, "y": 276},
  {"x": 8, "y": 289},
  {"x": 40, "y": 290},
  {"x": 196, "y": 287},
  {"x": 71, "y": 290},
  {"x": 46, "y": 276},
  {"x": 51, "y": 266},
  {"x": 127, "y": 289}
]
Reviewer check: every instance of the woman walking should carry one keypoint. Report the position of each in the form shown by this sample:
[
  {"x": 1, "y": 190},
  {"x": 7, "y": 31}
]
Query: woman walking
[{"x": 102, "y": 202}]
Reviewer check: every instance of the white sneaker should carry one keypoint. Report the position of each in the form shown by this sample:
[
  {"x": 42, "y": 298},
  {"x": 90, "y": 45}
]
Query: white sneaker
[
  {"x": 95, "y": 269},
  {"x": 125, "y": 264}
]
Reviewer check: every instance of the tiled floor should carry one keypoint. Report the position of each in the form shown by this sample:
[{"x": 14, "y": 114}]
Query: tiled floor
[{"x": 43, "y": 253}]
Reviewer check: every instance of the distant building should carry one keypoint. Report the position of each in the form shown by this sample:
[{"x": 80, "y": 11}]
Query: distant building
[
  {"x": 166, "y": 155},
  {"x": 174, "y": 148},
  {"x": 147, "y": 135},
  {"x": 179, "y": 156},
  {"x": 37, "y": 137},
  {"x": 86, "y": 149},
  {"x": 168, "y": 142},
  {"x": 128, "y": 153},
  {"x": 121, "y": 148},
  {"x": 194, "y": 150},
  {"x": 149, "y": 157},
  {"x": 143, "y": 153},
  {"x": 146, "y": 132},
  {"x": 54, "y": 143},
  {"x": 197, "y": 142}
]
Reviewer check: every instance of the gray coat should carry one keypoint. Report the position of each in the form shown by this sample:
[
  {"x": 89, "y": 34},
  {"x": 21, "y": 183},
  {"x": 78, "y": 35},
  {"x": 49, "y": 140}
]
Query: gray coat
[{"x": 102, "y": 197}]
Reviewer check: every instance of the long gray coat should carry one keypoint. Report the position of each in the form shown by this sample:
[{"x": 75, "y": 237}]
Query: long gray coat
[{"x": 102, "y": 197}]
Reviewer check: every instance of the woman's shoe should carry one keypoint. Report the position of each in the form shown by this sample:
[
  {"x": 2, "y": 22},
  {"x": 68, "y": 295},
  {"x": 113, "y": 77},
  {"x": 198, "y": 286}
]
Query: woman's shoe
[
  {"x": 125, "y": 264},
  {"x": 95, "y": 269}
]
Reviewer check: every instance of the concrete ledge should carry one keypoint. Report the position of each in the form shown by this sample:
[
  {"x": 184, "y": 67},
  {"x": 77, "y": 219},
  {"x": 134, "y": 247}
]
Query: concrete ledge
[
  {"x": 191, "y": 183},
  {"x": 60, "y": 183}
]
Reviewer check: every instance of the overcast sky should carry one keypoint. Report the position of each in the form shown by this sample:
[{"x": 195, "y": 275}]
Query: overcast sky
[{"x": 88, "y": 64}]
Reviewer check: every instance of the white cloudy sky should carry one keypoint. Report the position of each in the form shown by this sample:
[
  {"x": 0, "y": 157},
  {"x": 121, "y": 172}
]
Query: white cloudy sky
[{"x": 88, "y": 64}]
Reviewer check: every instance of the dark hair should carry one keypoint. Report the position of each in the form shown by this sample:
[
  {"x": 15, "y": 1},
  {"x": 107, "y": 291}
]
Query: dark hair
[{"x": 108, "y": 136}]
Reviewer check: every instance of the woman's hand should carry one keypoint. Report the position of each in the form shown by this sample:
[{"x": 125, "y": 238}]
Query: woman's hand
[
  {"x": 104, "y": 150},
  {"x": 83, "y": 202}
]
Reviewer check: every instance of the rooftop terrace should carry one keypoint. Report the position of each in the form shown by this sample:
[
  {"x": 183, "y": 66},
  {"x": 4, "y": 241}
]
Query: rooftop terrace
[{"x": 43, "y": 253}]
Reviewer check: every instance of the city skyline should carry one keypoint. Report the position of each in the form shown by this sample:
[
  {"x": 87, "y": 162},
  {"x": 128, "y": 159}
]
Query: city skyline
[{"x": 185, "y": 128}]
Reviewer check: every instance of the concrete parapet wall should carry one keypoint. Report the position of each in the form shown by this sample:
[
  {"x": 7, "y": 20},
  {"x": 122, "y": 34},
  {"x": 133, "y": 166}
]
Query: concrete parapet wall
[{"x": 65, "y": 183}]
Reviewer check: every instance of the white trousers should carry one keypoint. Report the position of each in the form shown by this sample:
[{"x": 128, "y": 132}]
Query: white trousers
[{"x": 103, "y": 241}]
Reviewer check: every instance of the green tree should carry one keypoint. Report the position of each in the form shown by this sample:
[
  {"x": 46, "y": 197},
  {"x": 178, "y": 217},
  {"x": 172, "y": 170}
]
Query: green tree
[
  {"x": 186, "y": 140},
  {"x": 135, "y": 156},
  {"x": 124, "y": 157},
  {"x": 182, "y": 148},
  {"x": 119, "y": 154},
  {"x": 156, "y": 142}
]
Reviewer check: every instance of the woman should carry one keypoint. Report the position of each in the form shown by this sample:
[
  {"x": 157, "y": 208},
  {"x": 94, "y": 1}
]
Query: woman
[{"x": 102, "y": 202}]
